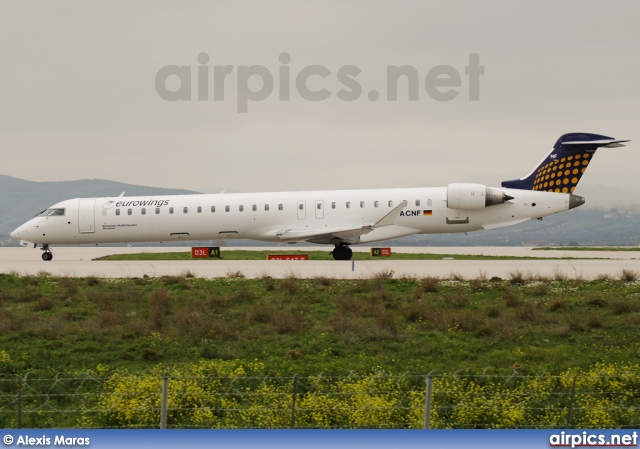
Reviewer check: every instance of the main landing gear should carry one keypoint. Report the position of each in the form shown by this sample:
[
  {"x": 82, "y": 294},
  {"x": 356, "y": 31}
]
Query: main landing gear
[
  {"x": 47, "y": 255},
  {"x": 342, "y": 252}
]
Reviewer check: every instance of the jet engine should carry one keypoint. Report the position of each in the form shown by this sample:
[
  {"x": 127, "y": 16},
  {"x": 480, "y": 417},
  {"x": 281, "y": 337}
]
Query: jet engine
[{"x": 473, "y": 196}]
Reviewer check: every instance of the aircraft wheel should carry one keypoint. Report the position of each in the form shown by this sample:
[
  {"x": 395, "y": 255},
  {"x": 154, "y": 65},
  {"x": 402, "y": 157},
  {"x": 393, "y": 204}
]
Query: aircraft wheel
[
  {"x": 47, "y": 256},
  {"x": 342, "y": 252}
]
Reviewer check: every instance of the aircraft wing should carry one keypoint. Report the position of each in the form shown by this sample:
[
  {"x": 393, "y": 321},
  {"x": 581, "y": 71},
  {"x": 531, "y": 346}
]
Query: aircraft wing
[
  {"x": 348, "y": 233},
  {"x": 505, "y": 223}
]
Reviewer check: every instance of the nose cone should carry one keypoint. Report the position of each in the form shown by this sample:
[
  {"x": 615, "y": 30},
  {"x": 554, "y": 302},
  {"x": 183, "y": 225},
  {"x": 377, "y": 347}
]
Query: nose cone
[
  {"x": 15, "y": 234},
  {"x": 22, "y": 232}
]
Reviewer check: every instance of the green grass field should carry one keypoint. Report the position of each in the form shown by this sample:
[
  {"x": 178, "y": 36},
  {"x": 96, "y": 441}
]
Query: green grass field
[
  {"x": 96, "y": 349},
  {"x": 306, "y": 326},
  {"x": 587, "y": 248}
]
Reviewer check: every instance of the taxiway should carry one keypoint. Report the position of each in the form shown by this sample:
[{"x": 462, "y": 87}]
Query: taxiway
[{"x": 78, "y": 262}]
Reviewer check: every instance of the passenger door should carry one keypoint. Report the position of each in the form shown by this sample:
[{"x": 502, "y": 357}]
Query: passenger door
[{"x": 86, "y": 216}]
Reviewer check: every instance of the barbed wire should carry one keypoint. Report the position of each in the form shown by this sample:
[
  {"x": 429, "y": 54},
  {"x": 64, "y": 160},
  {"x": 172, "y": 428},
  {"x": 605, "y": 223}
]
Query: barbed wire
[{"x": 378, "y": 400}]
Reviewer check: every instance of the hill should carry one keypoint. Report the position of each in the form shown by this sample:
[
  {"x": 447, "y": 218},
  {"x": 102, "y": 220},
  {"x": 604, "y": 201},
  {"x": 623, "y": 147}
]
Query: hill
[{"x": 21, "y": 199}]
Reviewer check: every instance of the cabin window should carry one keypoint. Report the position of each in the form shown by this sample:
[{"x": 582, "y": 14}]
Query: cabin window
[
  {"x": 301, "y": 206},
  {"x": 361, "y": 203},
  {"x": 157, "y": 210},
  {"x": 333, "y": 205},
  {"x": 279, "y": 206},
  {"x": 376, "y": 203},
  {"x": 129, "y": 211},
  {"x": 143, "y": 211},
  {"x": 171, "y": 210},
  {"x": 227, "y": 208},
  {"x": 390, "y": 203},
  {"x": 213, "y": 208},
  {"x": 348, "y": 204},
  {"x": 185, "y": 210},
  {"x": 117, "y": 211},
  {"x": 199, "y": 209},
  {"x": 241, "y": 208},
  {"x": 319, "y": 206},
  {"x": 428, "y": 202},
  {"x": 417, "y": 202},
  {"x": 266, "y": 207},
  {"x": 254, "y": 207}
]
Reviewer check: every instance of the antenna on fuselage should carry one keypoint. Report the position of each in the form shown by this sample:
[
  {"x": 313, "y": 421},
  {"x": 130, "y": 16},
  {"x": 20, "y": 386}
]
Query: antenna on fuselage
[{"x": 122, "y": 194}]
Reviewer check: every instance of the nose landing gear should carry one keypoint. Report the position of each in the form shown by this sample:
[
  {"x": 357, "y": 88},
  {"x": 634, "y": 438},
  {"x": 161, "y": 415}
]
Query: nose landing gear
[{"x": 47, "y": 255}]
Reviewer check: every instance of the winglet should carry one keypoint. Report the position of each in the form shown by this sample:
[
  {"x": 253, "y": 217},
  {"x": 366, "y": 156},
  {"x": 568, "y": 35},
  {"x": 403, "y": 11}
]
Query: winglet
[{"x": 390, "y": 218}]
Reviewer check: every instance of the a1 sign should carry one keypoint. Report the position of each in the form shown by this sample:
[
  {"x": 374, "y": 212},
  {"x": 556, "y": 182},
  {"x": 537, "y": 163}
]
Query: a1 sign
[
  {"x": 380, "y": 252},
  {"x": 204, "y": 252}
]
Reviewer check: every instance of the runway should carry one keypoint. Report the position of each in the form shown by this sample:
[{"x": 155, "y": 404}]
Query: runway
[{"x": 77, "y": 262}]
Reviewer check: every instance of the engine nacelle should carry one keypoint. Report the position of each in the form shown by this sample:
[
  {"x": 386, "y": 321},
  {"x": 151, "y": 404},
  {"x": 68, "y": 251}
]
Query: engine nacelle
[{"x": 473, "y": 196}]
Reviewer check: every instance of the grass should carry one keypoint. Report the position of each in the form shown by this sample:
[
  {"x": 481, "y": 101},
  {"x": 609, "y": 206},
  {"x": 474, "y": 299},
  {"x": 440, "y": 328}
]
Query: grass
[
  {"x": 307, "y": 326},
  {"x": 313, "y": 255},
  {"x": 587, "y": 248}
]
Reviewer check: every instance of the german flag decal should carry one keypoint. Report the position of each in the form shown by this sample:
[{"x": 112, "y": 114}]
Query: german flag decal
[{"x": 427, "y": 213}]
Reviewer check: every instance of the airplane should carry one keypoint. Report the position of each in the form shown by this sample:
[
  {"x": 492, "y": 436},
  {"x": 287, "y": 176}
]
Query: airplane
[{"x": 337, "y": 217}]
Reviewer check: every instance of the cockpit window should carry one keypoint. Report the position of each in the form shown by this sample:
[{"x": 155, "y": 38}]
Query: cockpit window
[{"x": 51, "y": 212}]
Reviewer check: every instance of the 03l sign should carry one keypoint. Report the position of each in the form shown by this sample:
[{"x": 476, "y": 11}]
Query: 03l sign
[{"x": 203, "y": 252}]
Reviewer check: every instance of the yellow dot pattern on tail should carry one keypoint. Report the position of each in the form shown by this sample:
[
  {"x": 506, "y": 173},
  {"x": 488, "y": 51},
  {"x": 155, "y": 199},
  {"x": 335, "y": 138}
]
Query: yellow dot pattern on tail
[{"x": 562, "y": 175}]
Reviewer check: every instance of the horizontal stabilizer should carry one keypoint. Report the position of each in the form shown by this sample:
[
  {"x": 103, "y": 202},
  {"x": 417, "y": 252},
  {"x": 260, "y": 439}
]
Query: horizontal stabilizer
[{"x": 607, "y": 143}]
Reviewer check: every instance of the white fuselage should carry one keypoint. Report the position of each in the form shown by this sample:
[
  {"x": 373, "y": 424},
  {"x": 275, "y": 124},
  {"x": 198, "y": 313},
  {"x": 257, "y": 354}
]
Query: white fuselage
[{"x": 268, "y": 216}]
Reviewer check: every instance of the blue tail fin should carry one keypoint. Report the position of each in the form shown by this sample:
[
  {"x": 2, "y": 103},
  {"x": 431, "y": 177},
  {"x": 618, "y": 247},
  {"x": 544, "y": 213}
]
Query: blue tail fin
[{"x": 563, "y": 167}]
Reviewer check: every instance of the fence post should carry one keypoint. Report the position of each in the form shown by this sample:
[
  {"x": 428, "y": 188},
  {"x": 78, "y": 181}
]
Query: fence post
[
  {"x": 573, "y": 394},
  {"x": 293, "y": 402},
  {"x": 427, "y": 402},
  {"x": 165, "y": 394},
  {"x": 20, "y": 403}
]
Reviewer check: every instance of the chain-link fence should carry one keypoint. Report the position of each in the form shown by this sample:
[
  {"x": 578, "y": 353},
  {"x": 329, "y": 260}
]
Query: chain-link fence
[{"x": 378, "y": 400}]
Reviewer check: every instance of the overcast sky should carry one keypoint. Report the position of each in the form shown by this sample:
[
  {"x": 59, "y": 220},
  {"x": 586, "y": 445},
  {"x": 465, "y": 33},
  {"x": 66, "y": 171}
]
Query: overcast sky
[{"x": 78, "y": 96}]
